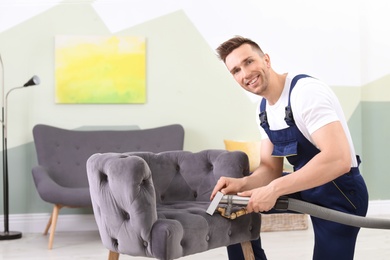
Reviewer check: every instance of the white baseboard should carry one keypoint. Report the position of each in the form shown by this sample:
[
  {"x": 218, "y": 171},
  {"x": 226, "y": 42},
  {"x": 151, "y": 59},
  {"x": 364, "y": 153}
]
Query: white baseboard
[
  {"x": 36, "y": 223},
  {"x": 378, "y": 208}
]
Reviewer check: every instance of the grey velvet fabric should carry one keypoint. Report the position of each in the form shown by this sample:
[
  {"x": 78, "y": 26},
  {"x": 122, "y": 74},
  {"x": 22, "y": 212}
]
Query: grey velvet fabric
[
  {"x": 60, "y": 176},
  {"x": 153, "y": 204}
]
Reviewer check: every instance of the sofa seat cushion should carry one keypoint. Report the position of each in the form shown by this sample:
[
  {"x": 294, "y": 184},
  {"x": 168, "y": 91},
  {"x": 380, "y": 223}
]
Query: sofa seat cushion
[{"x": 187, "y": 224}]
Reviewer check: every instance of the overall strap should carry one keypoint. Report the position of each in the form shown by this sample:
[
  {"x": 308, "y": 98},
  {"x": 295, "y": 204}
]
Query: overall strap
[
  {"x": 289, "y": 116},
  {"x": 263, "y": 115},
  {"x": 294, "y": 82}
]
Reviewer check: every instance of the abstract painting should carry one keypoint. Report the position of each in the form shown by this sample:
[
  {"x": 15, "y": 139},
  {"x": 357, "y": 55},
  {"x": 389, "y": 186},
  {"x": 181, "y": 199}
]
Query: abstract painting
[{"x": 100, "y": 69}]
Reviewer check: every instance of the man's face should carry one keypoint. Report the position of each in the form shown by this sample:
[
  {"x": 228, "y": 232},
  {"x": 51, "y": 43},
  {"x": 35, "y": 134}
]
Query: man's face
[{"x": 249, "y": 69}]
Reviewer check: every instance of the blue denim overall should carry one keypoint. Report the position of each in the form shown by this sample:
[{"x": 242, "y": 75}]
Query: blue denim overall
[{"x": 347, "y": 193}]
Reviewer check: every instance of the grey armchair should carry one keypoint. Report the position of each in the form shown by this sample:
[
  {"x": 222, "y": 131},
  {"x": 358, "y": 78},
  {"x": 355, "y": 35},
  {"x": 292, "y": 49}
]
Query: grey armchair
[
  {"x": 154, "y": 205},
  {"x": 60, "y": 176}
]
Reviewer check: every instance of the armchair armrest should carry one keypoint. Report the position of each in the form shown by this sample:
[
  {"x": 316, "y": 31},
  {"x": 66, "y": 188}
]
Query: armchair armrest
[{"x": 123, "y": 200}]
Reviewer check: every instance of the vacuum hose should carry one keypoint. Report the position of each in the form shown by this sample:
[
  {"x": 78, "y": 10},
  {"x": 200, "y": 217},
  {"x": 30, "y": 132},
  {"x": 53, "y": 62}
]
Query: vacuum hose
[
  {"x": 332, "y": 215},
  {"x": 285, "y": 204}
]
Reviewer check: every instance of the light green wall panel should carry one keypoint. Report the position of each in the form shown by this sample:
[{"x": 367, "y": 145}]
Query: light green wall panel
[
  {"x": 355, "y": 128},
  {"x": 376, "y": 143}
]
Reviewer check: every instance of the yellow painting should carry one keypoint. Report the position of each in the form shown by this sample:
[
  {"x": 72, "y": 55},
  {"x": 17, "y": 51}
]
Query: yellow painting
[{"x": 100, "y": 69}]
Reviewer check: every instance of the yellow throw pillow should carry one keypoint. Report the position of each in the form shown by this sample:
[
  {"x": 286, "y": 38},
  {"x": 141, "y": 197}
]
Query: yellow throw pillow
[{"x": 251, "y": 148}]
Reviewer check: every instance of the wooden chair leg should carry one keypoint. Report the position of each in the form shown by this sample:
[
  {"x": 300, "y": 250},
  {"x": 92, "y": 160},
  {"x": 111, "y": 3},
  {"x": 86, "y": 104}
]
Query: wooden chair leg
[
  {"x": 113, "y": 255},
  {"x": 248, "y": 250},
  {"x": 53, "y": 224},
  {"x": 48, "y": 225}
]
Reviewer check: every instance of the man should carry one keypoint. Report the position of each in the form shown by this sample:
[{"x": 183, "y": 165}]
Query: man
[{"x": 302, "y": 120}]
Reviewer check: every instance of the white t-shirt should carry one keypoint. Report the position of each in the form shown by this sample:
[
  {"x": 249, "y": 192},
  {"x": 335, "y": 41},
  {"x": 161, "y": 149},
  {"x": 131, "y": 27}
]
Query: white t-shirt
[{"x": 313, "y": 104}]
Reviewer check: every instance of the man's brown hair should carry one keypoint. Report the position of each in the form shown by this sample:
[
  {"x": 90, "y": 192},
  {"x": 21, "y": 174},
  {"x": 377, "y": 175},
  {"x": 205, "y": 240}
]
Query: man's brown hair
[{"x": 230, "y": 45}]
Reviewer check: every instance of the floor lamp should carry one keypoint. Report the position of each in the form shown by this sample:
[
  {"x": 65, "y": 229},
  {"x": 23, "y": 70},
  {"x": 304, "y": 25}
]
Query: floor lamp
[{"x": 7, "y": 235}]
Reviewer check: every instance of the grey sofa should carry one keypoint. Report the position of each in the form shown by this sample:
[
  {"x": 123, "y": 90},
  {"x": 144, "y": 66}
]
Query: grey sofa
[
  {"x": 153, "y": 204},
  {"x": 61, "y": 177}
]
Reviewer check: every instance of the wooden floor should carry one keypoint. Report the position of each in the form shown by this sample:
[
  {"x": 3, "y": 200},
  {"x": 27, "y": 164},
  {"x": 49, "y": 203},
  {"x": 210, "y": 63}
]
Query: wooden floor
[{"x": 291, "y": 245}]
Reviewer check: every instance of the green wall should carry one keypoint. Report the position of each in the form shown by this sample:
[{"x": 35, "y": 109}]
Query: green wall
[
  {"x": 369, "y": 126},
  {"x": 376, "y": 142}
]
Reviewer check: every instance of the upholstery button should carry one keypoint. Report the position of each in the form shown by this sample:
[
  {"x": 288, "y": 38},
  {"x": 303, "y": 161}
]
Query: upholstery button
[
  {"x": 207, "y": 238},
  {"x": 145, "y": 244},
  {"x": 250, "y": 228},
  {"x": 177, "y": 168},
  {"x": 162, "y": 197},
  {"x": 103, "y": 176},
  {"x": 352, "y": 192},
  {"x": 195, "y": 194},
  {"x": 229, "y": 233}
]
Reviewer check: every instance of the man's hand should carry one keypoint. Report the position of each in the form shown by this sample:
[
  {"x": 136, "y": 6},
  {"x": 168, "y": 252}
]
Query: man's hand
[
  {"x": 228, "y": 185},
  {"x": 261, "y": 199}
]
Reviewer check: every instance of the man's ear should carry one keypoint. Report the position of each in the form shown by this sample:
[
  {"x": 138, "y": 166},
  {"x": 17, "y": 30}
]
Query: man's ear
[{"x": 267, "y": 60}]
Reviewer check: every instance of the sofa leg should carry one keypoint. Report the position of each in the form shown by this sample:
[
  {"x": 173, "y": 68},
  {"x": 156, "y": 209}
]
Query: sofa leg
[
  {"x": 113, "y": 255},
  {"x": 247, "y": 250},
  {"x": 52, "y": 224},
  {"x": 48, "y": 225}
]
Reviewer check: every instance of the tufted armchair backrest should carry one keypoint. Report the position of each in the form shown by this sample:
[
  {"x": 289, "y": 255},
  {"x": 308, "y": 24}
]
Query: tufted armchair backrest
[
  {"x": 187, "y": 176},
  {"x": 64, "y": 153}
]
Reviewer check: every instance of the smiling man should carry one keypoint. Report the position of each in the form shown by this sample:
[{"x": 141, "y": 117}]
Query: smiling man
[{"x": 300, "y": 118}]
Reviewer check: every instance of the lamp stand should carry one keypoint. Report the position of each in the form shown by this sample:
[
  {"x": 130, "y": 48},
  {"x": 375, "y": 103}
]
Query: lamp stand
[{"x": 6, "y": 234}]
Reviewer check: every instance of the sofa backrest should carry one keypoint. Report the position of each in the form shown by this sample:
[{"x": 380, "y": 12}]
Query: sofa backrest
[
  {"x": 187, "y": 176},
  {"x": 65, "y": 152}
]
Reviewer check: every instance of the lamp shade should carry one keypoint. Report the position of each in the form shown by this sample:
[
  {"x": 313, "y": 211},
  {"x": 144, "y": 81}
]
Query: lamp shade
[{"x": 33, "y": 81}]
